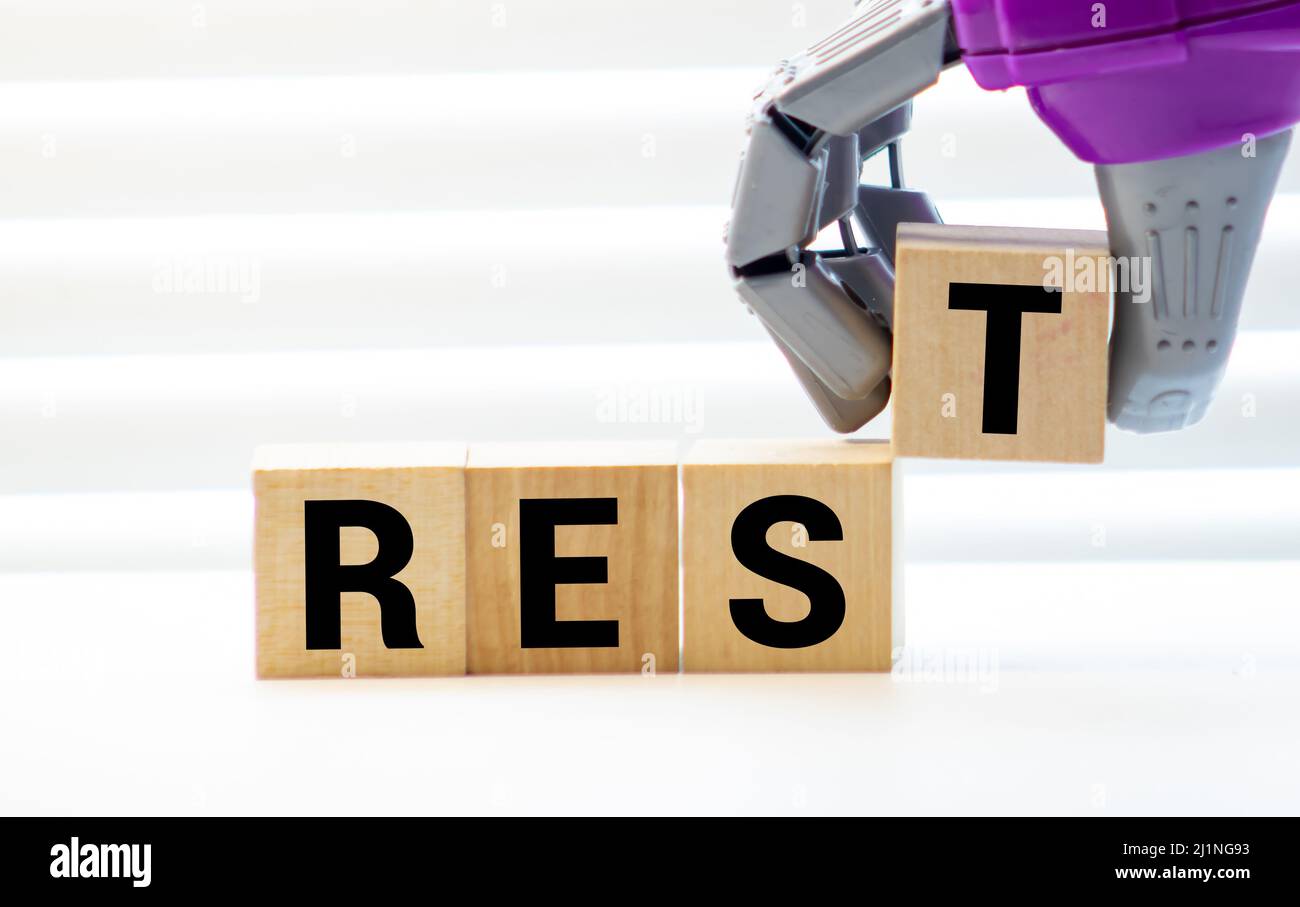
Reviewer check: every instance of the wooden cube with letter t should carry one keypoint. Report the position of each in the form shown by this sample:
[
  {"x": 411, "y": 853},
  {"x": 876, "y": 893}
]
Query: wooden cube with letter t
[
  {"x": 1000, "y": 343},
  {"x": 360, "y": 560},
  {"x": 572, "y": 558},
  {"x": 788, "y": 556}
]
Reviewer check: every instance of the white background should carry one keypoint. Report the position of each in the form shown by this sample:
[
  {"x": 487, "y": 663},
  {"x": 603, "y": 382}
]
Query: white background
[{"x": 477, "y": 220}]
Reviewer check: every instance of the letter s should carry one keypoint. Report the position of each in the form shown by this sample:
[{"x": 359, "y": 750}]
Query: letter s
[{"x": 825, "y": 595}]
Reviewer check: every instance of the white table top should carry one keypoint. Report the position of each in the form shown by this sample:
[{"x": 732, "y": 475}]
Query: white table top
[{"x": 1108, "y": 688}]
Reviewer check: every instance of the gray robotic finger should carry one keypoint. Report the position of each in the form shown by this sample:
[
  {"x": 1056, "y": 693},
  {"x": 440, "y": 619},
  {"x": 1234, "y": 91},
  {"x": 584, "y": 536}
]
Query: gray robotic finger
[
  {"x": 814, "y": 317},
  {"x": 777, "y": 198},
  {"x": 820, "y": 115},
  {"x": 1183, "y": 232},
  {"x": 881, "y": 209},
  {"x": 869, "y": 278},
  {"x": 885, "y": 131},
  {"x": 875, "y": 63},
  {"x": 843, "y": 170},
  {"x": 841, "y": 415}
]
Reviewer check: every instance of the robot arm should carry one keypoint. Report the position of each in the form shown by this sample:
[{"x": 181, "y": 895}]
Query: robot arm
[
  {"x": 819, "y": 117},
  {"x": 1159, "y": 100}
]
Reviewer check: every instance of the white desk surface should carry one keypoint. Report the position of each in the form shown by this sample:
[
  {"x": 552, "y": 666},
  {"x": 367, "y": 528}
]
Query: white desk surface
[{"x": 1111, "y": 688}]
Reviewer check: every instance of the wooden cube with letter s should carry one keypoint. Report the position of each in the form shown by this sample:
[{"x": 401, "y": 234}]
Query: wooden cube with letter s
[
  {"x": 1000, "y": 343},
  {"x": 788, "y": 556}
]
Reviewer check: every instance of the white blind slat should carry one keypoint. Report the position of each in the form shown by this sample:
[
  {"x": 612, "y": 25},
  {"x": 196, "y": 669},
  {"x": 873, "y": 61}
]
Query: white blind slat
[{"x": 170, "y": 422}]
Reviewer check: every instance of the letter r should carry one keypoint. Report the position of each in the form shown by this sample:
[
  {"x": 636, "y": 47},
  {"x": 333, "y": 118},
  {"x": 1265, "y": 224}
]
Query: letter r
[{"x": 327, "y": 579}]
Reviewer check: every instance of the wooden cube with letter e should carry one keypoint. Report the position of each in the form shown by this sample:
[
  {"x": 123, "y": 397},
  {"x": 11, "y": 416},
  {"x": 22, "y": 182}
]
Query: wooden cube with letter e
[
  {"x": 1000, "y": 343},
  {"x": 572, "y": 558},
  {"x": 788, "y": 556},
  {"x": 360, "y": 560}
]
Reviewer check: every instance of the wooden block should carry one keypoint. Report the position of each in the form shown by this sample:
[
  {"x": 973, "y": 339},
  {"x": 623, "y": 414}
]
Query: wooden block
[
  {"x": 988, "y": 363},
  {"x": 360, "y": 560},
  {"x": 572, "y": 558},
  {"x": 788, "y": 556}
]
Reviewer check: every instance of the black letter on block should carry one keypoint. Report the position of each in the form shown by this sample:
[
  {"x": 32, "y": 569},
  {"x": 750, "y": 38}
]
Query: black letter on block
[
  {"x": 825, "y": 596},
  {"x": 327, "y": 579},
  {"x": 540, "y": 571},
  {"x": 1005, "y": 303}
]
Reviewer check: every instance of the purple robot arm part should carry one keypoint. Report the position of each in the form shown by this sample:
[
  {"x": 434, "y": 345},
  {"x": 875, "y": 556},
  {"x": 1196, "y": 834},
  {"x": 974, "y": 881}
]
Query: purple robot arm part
[
  {"x": 1123, "y": 83},
  {"x": 1184, "y": 106}
]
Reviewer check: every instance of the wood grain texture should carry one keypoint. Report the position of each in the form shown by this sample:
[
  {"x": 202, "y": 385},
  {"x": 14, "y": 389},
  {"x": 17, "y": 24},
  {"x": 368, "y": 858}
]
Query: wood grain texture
[
  {"x": 640, "y": 553},
  {"x": 855, "y": 480},
  {"x": 939, "y": 353},
  {"x": 426, "y": 484}
]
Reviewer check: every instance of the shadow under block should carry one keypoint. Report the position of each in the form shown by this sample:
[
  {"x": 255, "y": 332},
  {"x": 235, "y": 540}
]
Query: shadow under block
[
  {"x": 788, "y": 556},
  {"x": 572, "y": 558},
  {"x": 400, "y": 509},
  {"x": 990, "y": 365}
]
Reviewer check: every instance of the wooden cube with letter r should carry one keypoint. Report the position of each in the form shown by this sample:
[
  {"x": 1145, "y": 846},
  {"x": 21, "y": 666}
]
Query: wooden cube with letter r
[
  {"x": 360, "y": 560},
  {"x": 572, "y": 558},
  {"x": 788, "y": 556},
  {"x": 1000, "y": 343}
]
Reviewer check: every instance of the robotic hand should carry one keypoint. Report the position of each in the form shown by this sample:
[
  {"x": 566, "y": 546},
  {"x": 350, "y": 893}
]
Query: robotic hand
[{"x": 1184, "y": 106}]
